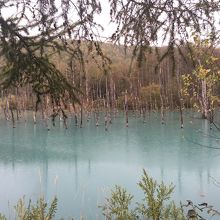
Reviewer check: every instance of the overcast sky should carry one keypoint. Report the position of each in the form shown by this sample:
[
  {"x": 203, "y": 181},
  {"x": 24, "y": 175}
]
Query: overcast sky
[{"x": 104, "y": 19}]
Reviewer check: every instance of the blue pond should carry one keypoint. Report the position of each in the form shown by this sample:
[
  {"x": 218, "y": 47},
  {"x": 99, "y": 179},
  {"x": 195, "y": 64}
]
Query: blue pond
[{"x": 81, "y": 165}]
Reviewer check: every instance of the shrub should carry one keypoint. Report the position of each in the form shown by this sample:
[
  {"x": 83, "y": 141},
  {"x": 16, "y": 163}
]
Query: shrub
[
  {"x": 39, "y": 211},
  {"x": 155, "y": 205}
]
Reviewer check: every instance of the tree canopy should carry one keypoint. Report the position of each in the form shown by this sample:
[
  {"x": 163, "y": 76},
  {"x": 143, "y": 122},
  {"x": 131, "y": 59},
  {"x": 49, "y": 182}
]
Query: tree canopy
[
  {"x": 33, "y": 31},
  {"x": 147, "y": 24}
]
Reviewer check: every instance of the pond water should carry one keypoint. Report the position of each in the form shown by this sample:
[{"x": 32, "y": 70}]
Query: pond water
[{"x": 81, "y": 165}]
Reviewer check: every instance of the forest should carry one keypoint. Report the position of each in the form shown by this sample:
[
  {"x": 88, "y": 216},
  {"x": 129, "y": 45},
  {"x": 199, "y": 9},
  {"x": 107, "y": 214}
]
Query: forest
[
  {"x": 125, "y": 83},
  {"x": 66, "y": 68}
]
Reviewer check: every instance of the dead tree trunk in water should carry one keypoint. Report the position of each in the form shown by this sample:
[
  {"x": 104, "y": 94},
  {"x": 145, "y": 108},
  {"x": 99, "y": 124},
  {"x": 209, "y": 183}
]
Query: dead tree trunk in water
[
  {"x": 204, "y": 100},
  {"x": 17, "y": 103},
  {"x": 12, "y": 106},
  {"x": 64, "y": 118},
  {"x": 81, "y": 116},
  {"x": 106, "y": 121},
  {"x": 161, "y": 98},
  {"x": 6, "y": 108},
  {"x": 45, "y": 111},
  {"x": 180, "y": 99},
  {"x": 126, "y": 108},
  {"x": 97, "y": 118},
  {"x": 12, "y": 117}
]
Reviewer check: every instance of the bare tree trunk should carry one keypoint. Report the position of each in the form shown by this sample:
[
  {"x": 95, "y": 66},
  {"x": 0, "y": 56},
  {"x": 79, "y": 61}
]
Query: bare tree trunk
[
  {"x": 144, "y": 114},
  {"x": 180, "y": 100},
  {"x": 106, "y": 92},
  {"x": 76, "y": 119},
  {"x": 12, "y": 113},
  {"x": 106, "y": 121},
  {"x": 17, "y": 104},
  {"x": 81, "y": 116},
  {"x": 126, "y": 108},
  {"x": 161, "y": 98},
  {"x": 45, "y": 112},
  {"x": 34, "y": 116},
  {"x": 12, "y": 117},
  {"x": 65, "y": 122},
  {"x": 34, "y": 113},
  {"x": 204, "y": 100},
  {"x": 87, "y": 86},
  {"x": 181, "y": 113},
  {"x": 97, "y": 119},
  {"x": 6, "y": 109}
]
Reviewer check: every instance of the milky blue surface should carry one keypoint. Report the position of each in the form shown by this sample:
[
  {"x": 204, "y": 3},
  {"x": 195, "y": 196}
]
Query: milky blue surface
[{"x": 81, "y": 165}]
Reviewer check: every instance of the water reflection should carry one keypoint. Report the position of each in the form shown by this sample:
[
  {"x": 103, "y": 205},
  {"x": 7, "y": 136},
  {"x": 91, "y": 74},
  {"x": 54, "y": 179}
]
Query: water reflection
[{"x": 80, "y": 165}]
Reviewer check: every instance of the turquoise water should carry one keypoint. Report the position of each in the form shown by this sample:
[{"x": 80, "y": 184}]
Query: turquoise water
[{"x": 81, "y": 165}]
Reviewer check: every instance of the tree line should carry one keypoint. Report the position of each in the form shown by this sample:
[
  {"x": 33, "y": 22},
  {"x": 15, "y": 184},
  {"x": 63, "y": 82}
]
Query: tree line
[{"x": 54, "y": 62}]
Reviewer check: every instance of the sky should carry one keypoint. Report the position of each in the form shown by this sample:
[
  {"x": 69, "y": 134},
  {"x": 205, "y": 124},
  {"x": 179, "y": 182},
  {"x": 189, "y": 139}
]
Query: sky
[{"x": 103, "y": 19}]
